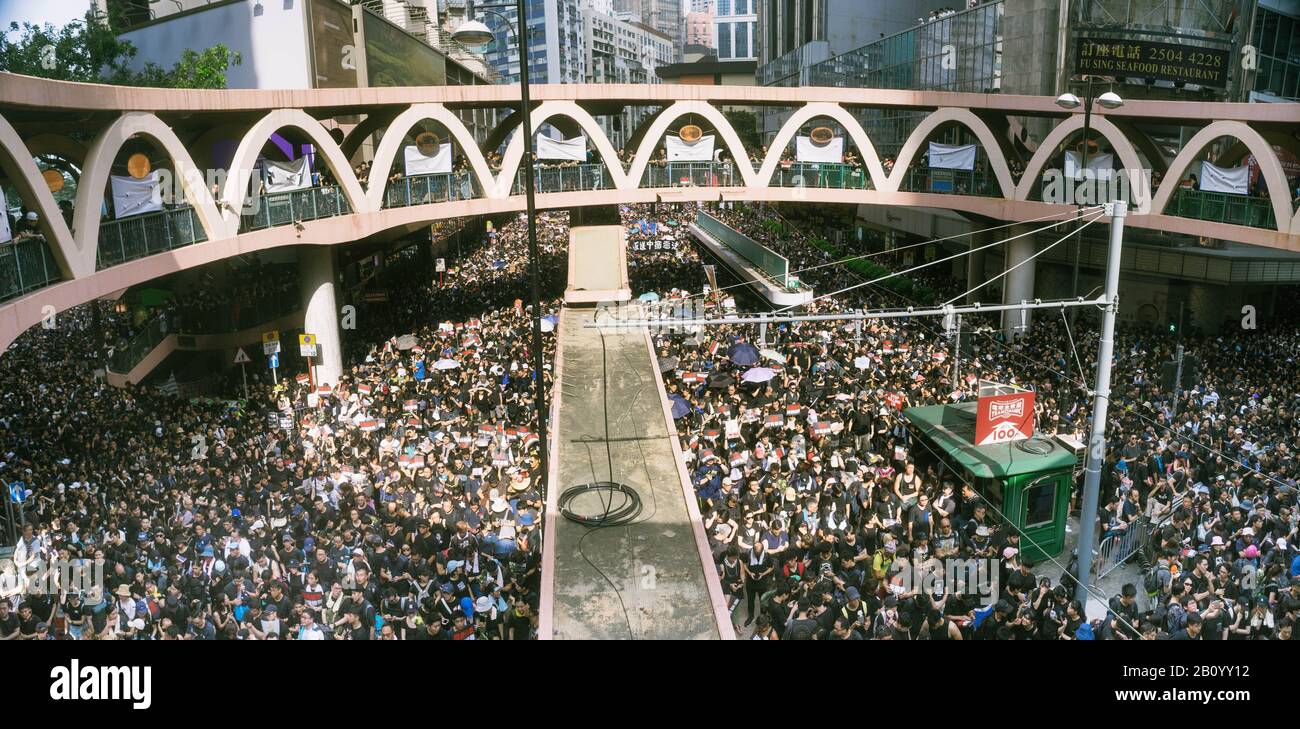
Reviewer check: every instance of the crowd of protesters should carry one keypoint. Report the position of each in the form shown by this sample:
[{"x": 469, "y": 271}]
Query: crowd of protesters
[
  {"x": 817, "y": 501},
  {"x": 404, "y": 502},
  {"x": 401, "y": 503}
]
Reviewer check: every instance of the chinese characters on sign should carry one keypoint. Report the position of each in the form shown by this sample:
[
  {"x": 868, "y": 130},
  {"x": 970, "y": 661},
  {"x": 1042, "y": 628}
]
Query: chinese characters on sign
[{"x": 1161, "y": 61}]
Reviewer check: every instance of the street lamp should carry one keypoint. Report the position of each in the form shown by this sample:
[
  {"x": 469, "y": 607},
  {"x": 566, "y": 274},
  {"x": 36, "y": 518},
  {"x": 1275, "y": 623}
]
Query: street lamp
[
  {"x": 475, "y": 35},
  {"x": 1070, "y": 102}
]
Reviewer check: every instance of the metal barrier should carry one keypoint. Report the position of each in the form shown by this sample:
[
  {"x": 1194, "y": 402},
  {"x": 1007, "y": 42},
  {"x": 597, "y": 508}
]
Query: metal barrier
[
  {"x": 25, "y": 266},
  {"x": 435, "y": 188},
  {"x": 1117, "y": 548},
  {"x": 691, "y": 174},
  {"x": 1222, "y": 207},
  {"x": 283, "y": 208},
  {"x": 138, "y": 236},
  {"x": 820, "y": 174},
  {"x": 567, "y": 178},
  {"x": 125, "y": 359},
  {"x": 950, "y": 182},
  {"x": 776, "y": 266}
]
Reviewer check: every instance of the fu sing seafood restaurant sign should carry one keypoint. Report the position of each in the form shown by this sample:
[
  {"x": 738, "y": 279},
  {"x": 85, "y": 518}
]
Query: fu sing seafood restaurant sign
[
  {"x": 1004, "y": 418},
  {"x": 1160, "y": 61}
]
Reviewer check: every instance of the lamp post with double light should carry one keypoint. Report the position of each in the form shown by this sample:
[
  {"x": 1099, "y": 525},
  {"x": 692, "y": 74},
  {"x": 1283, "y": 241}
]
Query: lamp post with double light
[
  {"x": 475, "y": 35},
  {"x": 1108, "y": 100}
]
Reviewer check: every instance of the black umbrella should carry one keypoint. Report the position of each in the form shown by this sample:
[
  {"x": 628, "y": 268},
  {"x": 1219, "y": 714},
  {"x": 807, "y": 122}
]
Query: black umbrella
[
  {"x": 667, "y": 364},
  {"x": 720, "y": 380}
]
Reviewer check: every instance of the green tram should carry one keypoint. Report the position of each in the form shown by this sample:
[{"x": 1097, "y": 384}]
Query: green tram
[{"x": 1027, "y": 482}]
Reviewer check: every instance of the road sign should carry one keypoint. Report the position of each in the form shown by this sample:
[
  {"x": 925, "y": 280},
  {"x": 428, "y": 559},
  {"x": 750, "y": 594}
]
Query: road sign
[
  {"x": 241, "y": 357},
  {"x": 441, "y": 265},
  {"x": 307, "y": 345},
  {"x": 18, "y": 492},
  {"x": 274, "y": 361},
  {"x": 270, "y": 342}
]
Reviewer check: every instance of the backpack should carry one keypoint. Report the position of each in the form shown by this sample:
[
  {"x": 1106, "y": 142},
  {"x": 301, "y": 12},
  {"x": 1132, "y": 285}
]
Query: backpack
[{"x": 1151, "y": 582}]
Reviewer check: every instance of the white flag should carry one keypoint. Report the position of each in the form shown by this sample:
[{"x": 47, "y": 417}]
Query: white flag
[{"x": 134, "y": 197}]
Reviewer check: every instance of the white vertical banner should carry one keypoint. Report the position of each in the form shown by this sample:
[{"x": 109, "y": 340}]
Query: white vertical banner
[
  {"x": 5, "y": 232},
  {"x": 1218, "y": 179},
  {"x": 419, "y": 164},
  {"x": 806, "y": 150},
  {"x": 678, "y": 150},
  {"x": 285, "y": 176},
  {"x": 1100, "y": 164},
  {"x": 566, "y": 149},
  {"x": 133, "y": 196},
  {"x": 952, "y": 156}
]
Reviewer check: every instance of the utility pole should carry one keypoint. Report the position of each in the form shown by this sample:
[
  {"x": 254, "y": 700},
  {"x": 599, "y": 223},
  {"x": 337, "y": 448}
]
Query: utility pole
[
  {"x": 956, "y": 356},
  {"x": 1101, "y": 400}
]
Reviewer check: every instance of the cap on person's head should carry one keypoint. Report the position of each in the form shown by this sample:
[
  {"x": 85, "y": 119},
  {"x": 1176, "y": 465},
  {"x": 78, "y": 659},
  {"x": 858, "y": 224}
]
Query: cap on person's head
[
  {"x": 891, "y": 601},
  {"x": 981, "y": 531},
  {"x": 32, "y": 216},
  {"x": 1002, "y": 607},
  {"x": 1216, "y": 541},
  {"x": 852, "y": 594}
]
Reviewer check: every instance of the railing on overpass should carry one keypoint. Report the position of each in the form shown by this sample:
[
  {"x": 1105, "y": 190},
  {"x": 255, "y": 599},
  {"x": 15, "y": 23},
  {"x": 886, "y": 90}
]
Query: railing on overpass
[
  {"x": 125, "y": 358},
  {"x": 567, "y": 178},
  {"x": 228, "y": 318},
  {"x": 435, "y": 188},
  {"x": 1222, "y": 207},
  {"x": 282, "y": 208},
  {"x": 127, "y": 239},
  {"x": 776, "y": 266},
  {"x": 831, "y": 175},
  {"x": 26, "y": 265},
  {"x": 950, "y": 182},
  {"x": 691, "y": 174}
]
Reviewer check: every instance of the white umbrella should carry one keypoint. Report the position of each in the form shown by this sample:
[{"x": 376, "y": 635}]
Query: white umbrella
[
  {"x": 547, "y": 324},
  {"x": 446, "y": 364},
  {"x": 406, "y": 341},
  {"x": 758, "y": 374},
  {"x": 861, "y": 362},
  {"x": 773, "y": 355}
]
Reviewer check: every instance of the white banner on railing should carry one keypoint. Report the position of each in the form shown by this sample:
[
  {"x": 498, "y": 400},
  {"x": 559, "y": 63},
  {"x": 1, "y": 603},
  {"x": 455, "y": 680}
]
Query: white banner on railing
[
  {"x": 1219, "y": 179},
  {"x": 134, "y": 197},
  {"x": 418, "y": 164},
  {"x": 952, "y": 156},
  {"x": 1100, "y": 164},
  {"x": 700, "y": 150},
  {"x": 285, "y": 176},
  {"x": 567, "y": 149},
  {"x": 5, "y": 232},
  {"x": 805, "y": 150}
]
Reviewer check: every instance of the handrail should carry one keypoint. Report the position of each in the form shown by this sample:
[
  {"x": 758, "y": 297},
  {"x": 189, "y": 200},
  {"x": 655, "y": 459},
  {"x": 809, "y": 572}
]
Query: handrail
[
  {"x": 432, "y": 188},
  {"x": 125, "y": 359},
  {"x": 294, "y": 206},
  {"x": 26, "y": 265},
  {"x": 1223, "y": 207},
  {"x": 831, "y": 175},
  {"x": 137, "y": 236}
]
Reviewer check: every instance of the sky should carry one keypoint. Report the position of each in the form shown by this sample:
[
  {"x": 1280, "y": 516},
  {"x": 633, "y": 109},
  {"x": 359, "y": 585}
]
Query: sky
[{"x": 57, "y": 12}]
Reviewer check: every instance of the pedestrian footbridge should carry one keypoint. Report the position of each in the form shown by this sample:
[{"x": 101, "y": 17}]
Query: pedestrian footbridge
[{"x": 91, "y": 131}]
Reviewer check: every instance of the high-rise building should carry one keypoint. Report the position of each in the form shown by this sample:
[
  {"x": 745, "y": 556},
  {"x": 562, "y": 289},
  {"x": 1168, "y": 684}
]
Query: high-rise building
[
  {"x": 735, "y": 24},
  {"x": 620, "y": 49},
  {"x": 554, "y": 32},
  {"x": 664, "y": 16},
  {"x": 699, "y": 29}
]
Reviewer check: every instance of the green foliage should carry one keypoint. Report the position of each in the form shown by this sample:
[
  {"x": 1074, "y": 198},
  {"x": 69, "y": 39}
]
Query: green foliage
[
  {"x": 87, "y": 50},
  {"x": 901, "y": 285},
  {"x": 746, "y": 125}
]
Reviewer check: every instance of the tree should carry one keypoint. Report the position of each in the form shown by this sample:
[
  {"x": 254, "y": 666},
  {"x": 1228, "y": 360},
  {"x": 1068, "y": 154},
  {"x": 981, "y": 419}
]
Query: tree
[
  {"x": 88, "y": 50},
  {"x": 746, "y": 125}
]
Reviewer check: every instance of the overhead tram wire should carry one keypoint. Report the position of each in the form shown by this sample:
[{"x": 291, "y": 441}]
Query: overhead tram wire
[
  {"x": 1036, "y": 254},
  {"x": 864, "y": 256},
  {"x": 1091, "y": 589},
  {"x": 926, "y": 265}
]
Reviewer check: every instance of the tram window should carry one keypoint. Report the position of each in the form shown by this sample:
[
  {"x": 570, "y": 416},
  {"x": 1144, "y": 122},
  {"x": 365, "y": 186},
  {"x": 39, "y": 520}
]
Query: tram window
[
  {"x": 1040, "y": 503},
  {"x": 991, "y": 489}
]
